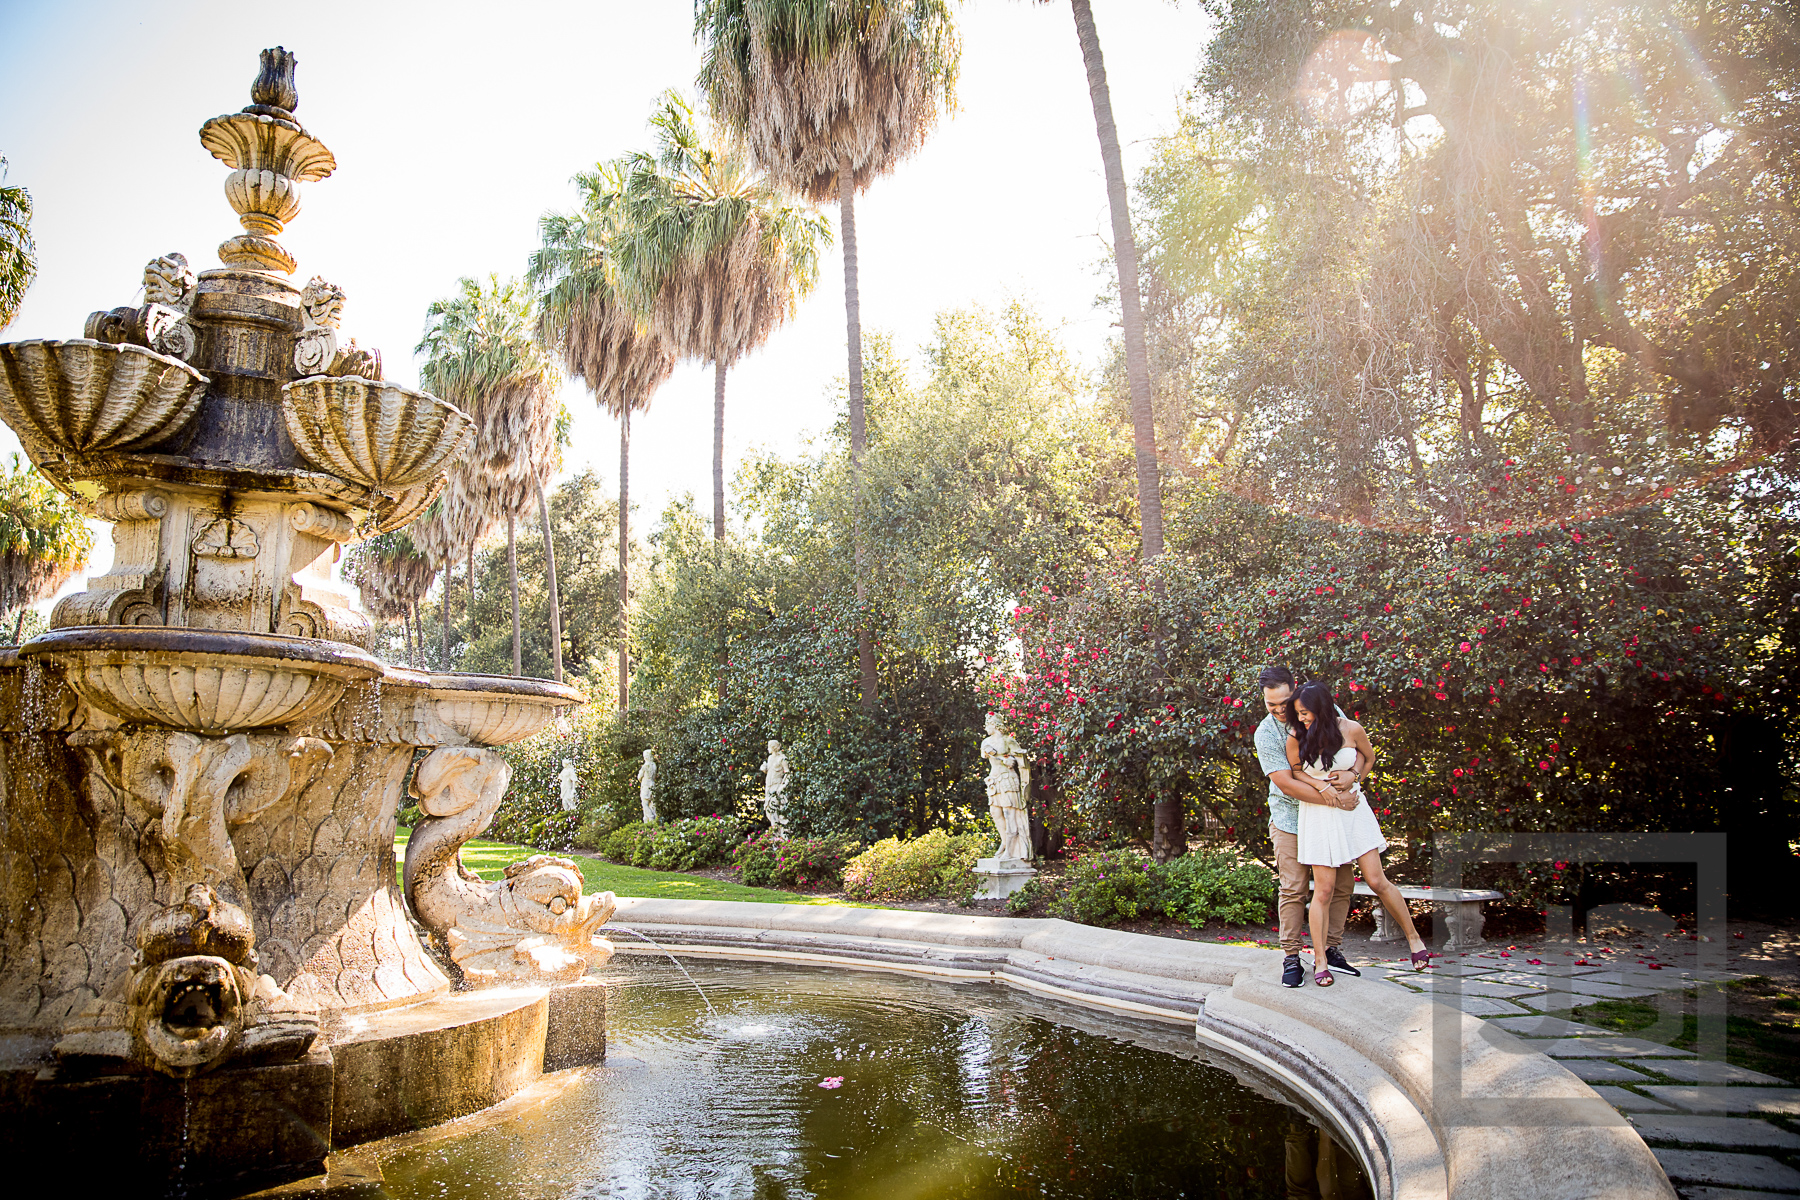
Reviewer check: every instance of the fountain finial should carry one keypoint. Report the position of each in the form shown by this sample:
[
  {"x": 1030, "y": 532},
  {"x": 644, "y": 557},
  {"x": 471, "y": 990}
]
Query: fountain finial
[
  {"x": 272, "y": 155},
  {"x": 274, "y": 85}
]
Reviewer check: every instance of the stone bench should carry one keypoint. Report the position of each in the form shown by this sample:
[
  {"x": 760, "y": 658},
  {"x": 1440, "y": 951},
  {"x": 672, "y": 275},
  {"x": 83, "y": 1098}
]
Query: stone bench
[{"x": 1461, "y": 908}]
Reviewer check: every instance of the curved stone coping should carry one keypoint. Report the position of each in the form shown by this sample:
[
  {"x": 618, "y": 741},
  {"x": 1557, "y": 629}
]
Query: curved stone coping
[
  {"x": 1436, "y": 1103},
  {"x": 545, "y": 691},
  {"x": 140, "y": 640}
]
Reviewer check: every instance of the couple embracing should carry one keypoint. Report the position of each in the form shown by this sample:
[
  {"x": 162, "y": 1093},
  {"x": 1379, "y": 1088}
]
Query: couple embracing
[{"x": 1315, "y": 758}]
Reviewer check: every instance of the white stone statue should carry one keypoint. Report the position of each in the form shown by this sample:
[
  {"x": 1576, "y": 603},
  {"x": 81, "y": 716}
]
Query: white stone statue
[
  {"x": 647, "y": 787},
  {"x": 1008, "y": 784},
  {"x": 566, "y": 778},
  {"x": 775, "y": 780}
]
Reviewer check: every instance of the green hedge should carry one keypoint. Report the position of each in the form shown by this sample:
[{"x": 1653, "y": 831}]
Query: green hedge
[
  {"x": 937, "y": 864},
  {"x": 675, "y": 846},
  {"x": 1122, "y": 885}
]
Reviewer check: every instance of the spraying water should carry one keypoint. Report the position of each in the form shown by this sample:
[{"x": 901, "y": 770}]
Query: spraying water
[{"x": 684, "y": 971}]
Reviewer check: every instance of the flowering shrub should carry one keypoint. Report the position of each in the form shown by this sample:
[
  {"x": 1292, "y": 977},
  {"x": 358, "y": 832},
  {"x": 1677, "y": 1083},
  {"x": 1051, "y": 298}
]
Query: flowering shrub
[
  {"x": 1510, "y": 679},
  {"x": 1122, "y": 885},
  {"x": 937, "y": 864},
  {"x": 1097, "y": 889},
  {"x": 694, "y": 842},
  {"x": 674, "y": 845},
  {"x": 808, "y": 863},
  {"x": 629, "y": 844},
  {"x": 1211, "y": 885}
]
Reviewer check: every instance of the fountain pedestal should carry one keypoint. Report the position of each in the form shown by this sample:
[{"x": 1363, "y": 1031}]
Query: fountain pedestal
[
  {"x": 998, "y": 878},
  {"x": 206, "y": 965}
]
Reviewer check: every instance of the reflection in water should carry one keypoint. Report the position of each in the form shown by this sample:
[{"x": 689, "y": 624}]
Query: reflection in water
[{"x": 947, "y": 1091}]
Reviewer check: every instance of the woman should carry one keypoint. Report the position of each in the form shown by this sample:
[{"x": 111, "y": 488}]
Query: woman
[{"x": 1330, "y": 838}]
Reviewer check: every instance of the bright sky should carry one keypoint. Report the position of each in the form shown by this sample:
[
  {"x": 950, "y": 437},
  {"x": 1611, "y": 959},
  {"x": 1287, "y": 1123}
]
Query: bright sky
[{"x": 456, "y": 125}]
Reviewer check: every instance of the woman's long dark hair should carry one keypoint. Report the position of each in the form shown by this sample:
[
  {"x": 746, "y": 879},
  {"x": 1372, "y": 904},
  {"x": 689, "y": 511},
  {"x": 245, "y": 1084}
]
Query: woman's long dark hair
[{"x": 1320, "y": 741}]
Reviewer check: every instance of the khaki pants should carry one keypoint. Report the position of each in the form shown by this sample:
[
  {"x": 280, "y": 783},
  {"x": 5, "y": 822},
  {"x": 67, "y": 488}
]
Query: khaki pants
[{"x": 1293, "y": 895}]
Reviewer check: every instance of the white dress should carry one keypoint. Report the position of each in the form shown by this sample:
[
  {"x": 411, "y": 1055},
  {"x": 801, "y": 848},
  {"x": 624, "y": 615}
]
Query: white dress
[{"x": 1331, "y": 837}]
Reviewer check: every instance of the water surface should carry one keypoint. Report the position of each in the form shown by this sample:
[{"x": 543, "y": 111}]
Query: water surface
[{"x": 938, "y": 1090}]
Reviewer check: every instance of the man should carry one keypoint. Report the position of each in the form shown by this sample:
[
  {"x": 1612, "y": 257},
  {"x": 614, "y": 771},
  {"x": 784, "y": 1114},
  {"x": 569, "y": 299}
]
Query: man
[{"x": 1286, "y": 794}]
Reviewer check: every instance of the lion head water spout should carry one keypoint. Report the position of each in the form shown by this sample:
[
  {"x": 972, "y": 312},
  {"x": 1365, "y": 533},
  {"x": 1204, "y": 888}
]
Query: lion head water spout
[{"x": 202, "y": 763}]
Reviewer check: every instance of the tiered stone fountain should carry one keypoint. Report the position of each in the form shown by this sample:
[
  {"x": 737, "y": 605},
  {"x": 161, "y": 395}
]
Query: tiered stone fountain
[{"x": 207, "y": 970}]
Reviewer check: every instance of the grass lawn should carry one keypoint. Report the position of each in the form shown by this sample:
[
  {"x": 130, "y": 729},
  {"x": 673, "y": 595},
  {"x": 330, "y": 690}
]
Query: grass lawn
[{"x": 489, "y": 860}]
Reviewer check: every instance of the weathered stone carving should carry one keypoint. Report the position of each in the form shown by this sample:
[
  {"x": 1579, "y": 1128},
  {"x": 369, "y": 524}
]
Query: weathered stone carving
[
  {"x": 647, "y": 787},
  {"x": 775, "y": 780},
  {"x": 272, "y": 154},
  {"x": 192, "y": 999},
  {"x": 380, "y": 435},
  {"x": 321, "y": 307},
  {"x": 532, "y": 925},
  {"x": 1008, "y": 787},
  {"x": 226, "y": 538},
  {"x": 169, "y": 288},
  {"x": 196, "y": 789},
  {"x": 82, "y": 397}
]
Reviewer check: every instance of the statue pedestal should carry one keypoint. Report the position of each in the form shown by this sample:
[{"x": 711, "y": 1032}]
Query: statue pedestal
[{"x": 998, "y": 878}]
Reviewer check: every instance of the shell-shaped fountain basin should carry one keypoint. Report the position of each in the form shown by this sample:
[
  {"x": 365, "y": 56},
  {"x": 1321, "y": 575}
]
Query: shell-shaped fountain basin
[
  {"x": 201, "y": 680},
  {"x": 82, "y": 396},
  {"x": 376, "y": 434},
  {"x": 495, "y": 710}
]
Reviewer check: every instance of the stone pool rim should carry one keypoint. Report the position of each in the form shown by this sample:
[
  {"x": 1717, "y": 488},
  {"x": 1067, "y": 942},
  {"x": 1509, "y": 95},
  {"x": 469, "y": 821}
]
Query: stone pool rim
[{"x": 1519, "y": 1126}]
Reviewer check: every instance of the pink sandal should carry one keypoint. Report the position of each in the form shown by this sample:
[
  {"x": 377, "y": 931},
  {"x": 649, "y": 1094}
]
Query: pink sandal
[
  {"x": 1420, "y": 958},
  {"x": 1323, "y": 978}
]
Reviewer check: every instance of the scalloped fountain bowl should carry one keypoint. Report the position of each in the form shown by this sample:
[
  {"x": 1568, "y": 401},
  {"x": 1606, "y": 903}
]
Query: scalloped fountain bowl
[
  {"x": 379, "y": 435},
  {"x": 496, "y": 710},
  {"x": 82, "y": 396},
  {"x": 201, "y": 680}
]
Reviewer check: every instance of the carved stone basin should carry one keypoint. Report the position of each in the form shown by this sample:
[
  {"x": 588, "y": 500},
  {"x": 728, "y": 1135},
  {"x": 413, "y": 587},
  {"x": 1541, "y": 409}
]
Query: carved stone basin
[
  {"x": 379, "y": 435},
  {"x": 495, "y": 710},
  {"x": 201, "y": 680},
  {"x": 81, "y": 396}
]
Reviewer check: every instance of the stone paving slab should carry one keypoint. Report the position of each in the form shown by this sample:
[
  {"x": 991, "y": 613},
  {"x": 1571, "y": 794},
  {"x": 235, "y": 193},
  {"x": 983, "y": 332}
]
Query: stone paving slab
[
  {"x": 1609, "y": 1047},
  {"x": 1715, "y": 1131},
  {"x": 1551, "y": 1027},
  {"x": 1629, "y": 1102},
  {"x": 1604, "y": 991},
  {"x": 1483, "y": 1006},
  {"x": 1475, "y": 986},
  {"x": 1732, "y": 1170},
  {"x": 1713, "y": 1193},
  {"x": 1772, "y": 1101},
  {"x": 1595, "y": 1070},
  {"x": 1713, "y": 1072}
]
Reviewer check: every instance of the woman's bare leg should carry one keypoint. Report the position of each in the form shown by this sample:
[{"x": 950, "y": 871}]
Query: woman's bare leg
[
  {"x": 1390, "y": 897},
  {"x": 1324, "y": 883}
]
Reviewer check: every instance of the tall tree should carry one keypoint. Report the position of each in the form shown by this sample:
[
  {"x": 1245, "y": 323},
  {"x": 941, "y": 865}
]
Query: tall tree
[
  {"x": 391, "y": 573},
  {"x": 482, "y": 355},
  {"x": 18, "y": 255},
  {"x": 828, "y": 96},
  {"x": 1131, "y": 309},
  {"x": 43, "y": 540},
  {"x": 585, "y": 315},
  {"x": 724, "y": 255}
]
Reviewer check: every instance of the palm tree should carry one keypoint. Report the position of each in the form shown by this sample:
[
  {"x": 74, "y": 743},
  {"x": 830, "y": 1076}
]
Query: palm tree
[
  {"x": 1137, "y": 359},
  {"x": 827, "y": 95},
  {"x": 719, "y": 256},
  {"x": 585, "y": 314},
  {"x": 482, "y": 355},
  {"x": 18, "y": 256},
  {"x": 43, "y": 540},
  {"x": 392, "y": 574}
]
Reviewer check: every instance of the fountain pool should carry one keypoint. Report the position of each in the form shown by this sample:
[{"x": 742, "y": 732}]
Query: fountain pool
[{"x": 941, "y": 1089}]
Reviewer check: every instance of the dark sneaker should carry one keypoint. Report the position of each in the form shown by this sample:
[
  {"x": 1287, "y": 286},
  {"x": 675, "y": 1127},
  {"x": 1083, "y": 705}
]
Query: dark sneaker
[
  {"x": 1334, "y": 958},
  {"x": 1291, "y": 973}
]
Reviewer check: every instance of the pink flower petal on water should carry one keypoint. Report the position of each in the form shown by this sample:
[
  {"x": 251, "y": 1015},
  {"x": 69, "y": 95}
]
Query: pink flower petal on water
[{"x": 834, "y": 1081}]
